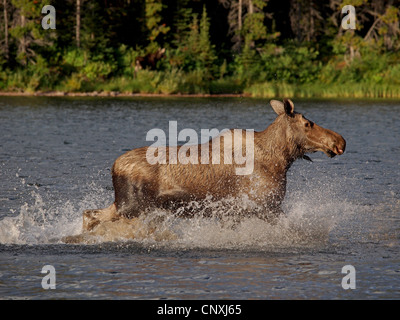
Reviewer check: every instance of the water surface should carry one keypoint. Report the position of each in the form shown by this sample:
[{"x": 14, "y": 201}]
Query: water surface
[{"x": 55, "y": 160}]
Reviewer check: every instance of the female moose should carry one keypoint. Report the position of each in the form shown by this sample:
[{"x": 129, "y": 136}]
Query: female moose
[{"x": 139, "y": 185}]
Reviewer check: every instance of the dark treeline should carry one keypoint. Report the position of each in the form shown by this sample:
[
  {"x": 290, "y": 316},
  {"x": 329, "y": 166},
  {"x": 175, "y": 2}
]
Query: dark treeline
[{"x": 259, "y": 47}]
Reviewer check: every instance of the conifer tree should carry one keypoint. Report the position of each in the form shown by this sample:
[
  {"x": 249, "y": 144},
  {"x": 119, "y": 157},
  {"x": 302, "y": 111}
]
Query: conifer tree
[
  {"x": 27, "y": 29},
  {"x": 206, "y": 54},
  {"x": 153, "y": 23},
  {"x": 5, "y": 43}
]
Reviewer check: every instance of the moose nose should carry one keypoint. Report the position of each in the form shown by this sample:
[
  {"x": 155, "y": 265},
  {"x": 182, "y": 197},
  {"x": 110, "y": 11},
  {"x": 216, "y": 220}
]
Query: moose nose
[{"x": 340, "y": 146}]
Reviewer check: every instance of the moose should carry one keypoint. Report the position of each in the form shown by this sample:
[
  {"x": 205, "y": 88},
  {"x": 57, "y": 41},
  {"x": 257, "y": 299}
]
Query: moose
[{"x": 139, "y": 185}]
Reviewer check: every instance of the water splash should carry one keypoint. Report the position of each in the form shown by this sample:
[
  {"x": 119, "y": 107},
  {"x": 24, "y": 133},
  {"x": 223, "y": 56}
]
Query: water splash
[
  {"x": 311, "y": 219},
  {"x": 42, "y": 221}
]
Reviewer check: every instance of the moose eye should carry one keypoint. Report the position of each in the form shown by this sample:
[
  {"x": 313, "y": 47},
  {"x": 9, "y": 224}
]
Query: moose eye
[{"x": 307, "y": 124}]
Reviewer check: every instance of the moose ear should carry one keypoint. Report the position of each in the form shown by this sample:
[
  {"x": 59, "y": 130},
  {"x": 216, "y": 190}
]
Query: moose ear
[
  {"x": 278, "y": 106},
  {"x": 286, "y": 107},
  {"x": 289, "y": 106}
]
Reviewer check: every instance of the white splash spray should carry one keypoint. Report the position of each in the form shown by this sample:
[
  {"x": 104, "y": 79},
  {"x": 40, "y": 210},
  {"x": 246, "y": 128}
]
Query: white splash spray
[{"x": 309, "y": 221}]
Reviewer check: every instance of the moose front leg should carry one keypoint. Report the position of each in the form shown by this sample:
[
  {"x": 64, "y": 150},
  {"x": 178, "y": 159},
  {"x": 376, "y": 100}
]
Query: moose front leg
[
  {"x": 272, "y": 214},
  {"x": 270, "y": 208}
]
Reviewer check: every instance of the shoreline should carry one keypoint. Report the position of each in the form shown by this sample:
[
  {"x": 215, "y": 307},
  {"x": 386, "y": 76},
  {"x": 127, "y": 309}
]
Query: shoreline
[
  {"x": 119, "y": 94},
  {"x": 191, "y": 95}
]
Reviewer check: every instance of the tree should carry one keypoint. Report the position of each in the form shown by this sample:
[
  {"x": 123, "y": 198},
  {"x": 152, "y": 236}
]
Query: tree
[
  {"x": 254, "y": 28},
  {"x": 235, "y": 18},
  {"x": 78, "y": 23},
  {"x": 183, "y": 18},
  {"x": 5, "y": 46},
  {"x": 385, "y": 28},
  {"x": 246, "y": 20},
  {"x": 377, "y": 25},
  {"x": 27, "y": 29},
  {"x": 349, "y": 42},
  {"x": 207, "y": 54},
  {"x": 304, "y": 18},
  {"x": 153, "y": 23},
  {"x": 195, "y": 50}
]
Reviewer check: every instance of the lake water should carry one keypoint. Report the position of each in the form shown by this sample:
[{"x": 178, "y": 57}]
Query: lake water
[{"x": 55, "y": 160}]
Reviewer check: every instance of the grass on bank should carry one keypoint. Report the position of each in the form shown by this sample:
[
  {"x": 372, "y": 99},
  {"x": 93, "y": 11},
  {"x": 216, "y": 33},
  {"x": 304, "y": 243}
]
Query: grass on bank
[
  {"x": 348, "y": 90},
  {"x": 195, "y": 82},
  {"x": 152, "y": 82}
]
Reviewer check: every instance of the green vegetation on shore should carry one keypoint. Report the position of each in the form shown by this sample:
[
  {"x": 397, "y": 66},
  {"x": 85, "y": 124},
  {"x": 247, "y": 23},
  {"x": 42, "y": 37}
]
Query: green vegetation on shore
[{"x": 254, "y": 47}]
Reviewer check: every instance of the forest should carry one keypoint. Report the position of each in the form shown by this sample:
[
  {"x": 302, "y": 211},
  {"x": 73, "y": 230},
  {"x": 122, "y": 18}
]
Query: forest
[{"x": 258, "y": 48}]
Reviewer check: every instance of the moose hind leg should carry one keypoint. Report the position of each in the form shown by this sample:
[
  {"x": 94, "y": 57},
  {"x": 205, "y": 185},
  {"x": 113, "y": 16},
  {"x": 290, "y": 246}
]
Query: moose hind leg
[
  {"x": 129, "y": 198},
  {"x": 92, "y": 218}
]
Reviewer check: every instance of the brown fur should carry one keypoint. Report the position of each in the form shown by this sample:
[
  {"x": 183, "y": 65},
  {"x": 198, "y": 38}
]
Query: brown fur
[{"x": 139, "y": 185}]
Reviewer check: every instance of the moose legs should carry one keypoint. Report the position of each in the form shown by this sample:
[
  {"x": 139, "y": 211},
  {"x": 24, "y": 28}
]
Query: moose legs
[
  {"x": 132, "y": 197},
  {"x": 269, "y": 206},
  {"x": 94, "y": 217},
  {"x": 130, "y": 202}
]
